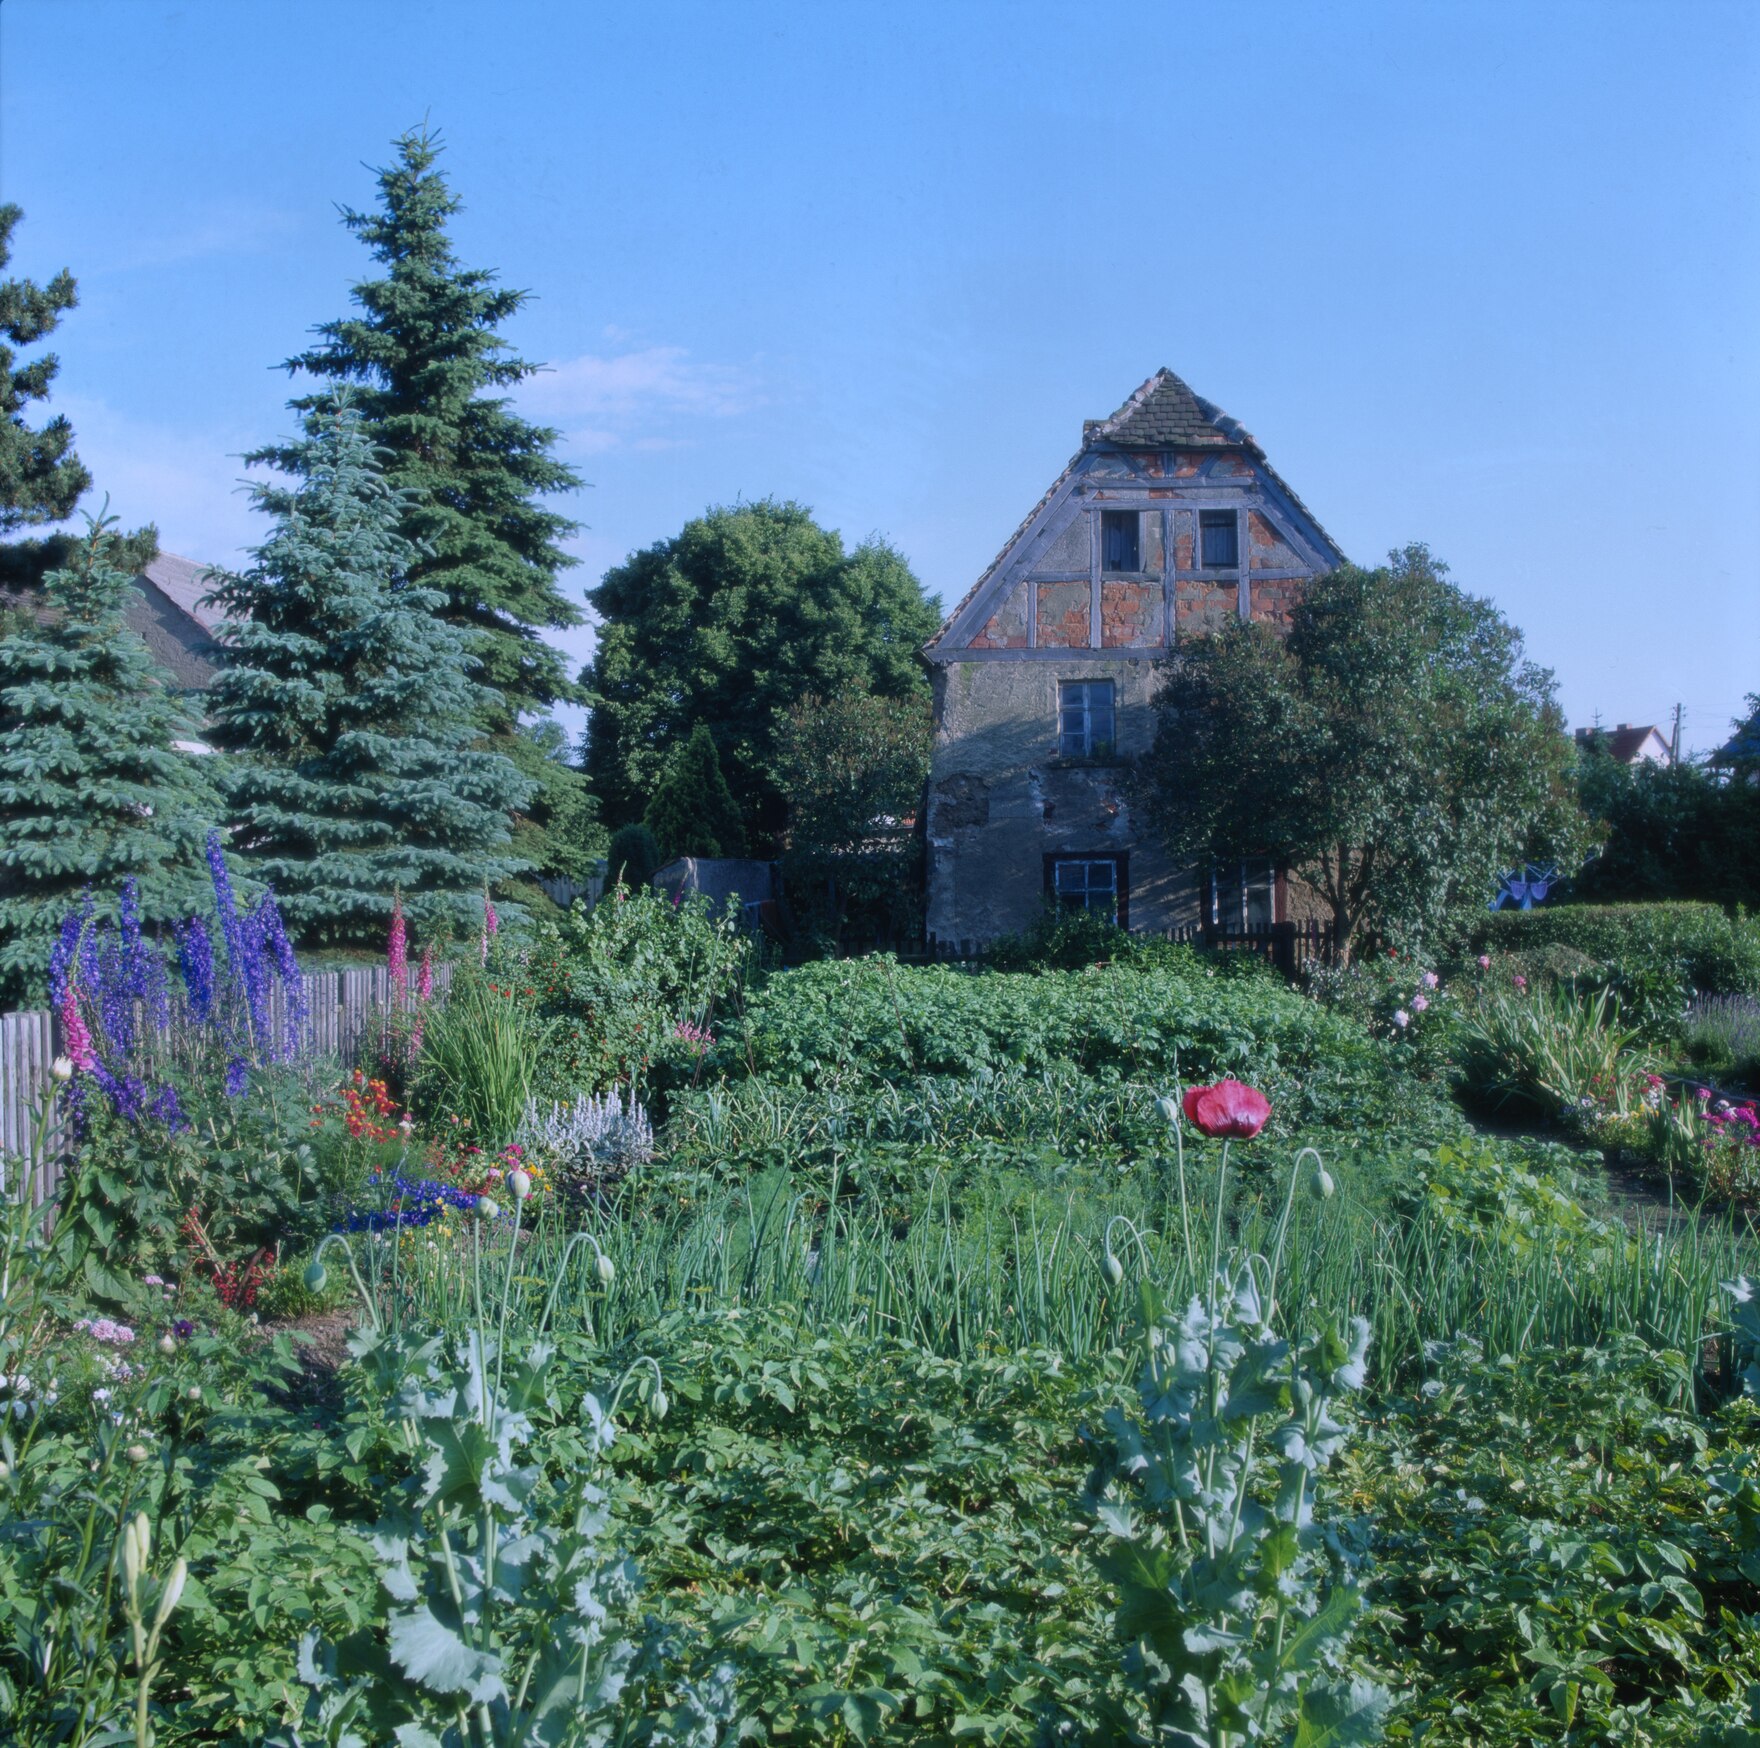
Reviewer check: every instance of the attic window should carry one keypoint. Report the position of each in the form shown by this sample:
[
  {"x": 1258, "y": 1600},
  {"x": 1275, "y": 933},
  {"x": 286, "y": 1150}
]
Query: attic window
[
  {"x": 1221, "y": 540},
  {"x": 1120, "y": 541}
]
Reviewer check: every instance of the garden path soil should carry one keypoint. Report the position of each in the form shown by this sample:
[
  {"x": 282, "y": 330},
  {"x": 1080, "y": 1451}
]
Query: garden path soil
[{"x": 321, "y": 1343}]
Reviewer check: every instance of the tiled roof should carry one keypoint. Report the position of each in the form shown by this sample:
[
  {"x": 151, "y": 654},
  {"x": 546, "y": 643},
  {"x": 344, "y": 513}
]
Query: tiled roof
[
  {"x": 184, "y": 583},
  {"x": 1165, "y": 414},
  {"x": 1626, "y": 741}
]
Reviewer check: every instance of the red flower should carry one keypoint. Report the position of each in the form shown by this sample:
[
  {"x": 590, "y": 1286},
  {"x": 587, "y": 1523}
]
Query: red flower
[{"x": 1227, "y": 1109}]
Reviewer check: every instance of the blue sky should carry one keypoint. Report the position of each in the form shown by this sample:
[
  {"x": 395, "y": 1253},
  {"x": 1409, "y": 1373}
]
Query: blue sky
[{"x": 1483, "y": 275}]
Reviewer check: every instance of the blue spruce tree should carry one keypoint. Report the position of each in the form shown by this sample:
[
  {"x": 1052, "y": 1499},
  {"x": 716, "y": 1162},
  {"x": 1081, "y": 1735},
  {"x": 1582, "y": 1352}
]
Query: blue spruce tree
[
  {"x": 348, "y": 705},
  {"x": 93, "y": 788}
]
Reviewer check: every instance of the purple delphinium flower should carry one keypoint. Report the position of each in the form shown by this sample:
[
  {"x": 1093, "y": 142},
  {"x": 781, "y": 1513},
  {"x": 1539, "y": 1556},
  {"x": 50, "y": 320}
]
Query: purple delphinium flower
[
  {"x": 114, "y": 996},
  {"x": 167, "y": 1109},
  {"x": 195, "y": 954},
  {"x": 127, "y": 1093},
  {"x": 247, "y": 982},
  {"x": 143, "y": 971},
  {"x": 61, "y": 959},
  {"x": 238, "y": 1077},
  {"x": 272, "y": 934}
]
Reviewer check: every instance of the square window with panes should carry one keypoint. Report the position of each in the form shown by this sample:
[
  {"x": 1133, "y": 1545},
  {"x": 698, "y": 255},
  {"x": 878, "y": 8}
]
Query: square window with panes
[
  {"x": 1219, "y": 540},
  {"x": 1121, "y": 540},
  {"x": 1085, "y": 725},
  {"x": 1087, "y": 883},
  {"x": 1243, "y": 896}
]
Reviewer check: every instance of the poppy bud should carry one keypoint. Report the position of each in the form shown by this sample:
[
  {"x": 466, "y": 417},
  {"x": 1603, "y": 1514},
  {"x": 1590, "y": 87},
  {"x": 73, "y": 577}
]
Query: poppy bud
[
  {"x": 1321, "y": 1184},
  {"x": 1169, "y": 1108},
  {"x": 606, "y": 1272},
  {"x": 1111, "y": 1267},
  {"x": 316, "y": 1276},
  {"x": 136, "y": 1453},
  {"x": 659, "y": 1404},
  {"x": 167, "y": 1344},
  {"x": 194, "y": 1392}
]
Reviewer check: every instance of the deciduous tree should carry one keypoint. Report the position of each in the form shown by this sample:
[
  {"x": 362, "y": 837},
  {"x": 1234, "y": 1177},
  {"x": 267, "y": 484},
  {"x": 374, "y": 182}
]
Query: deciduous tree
[
  {"x": 1395, "y": 749},
  {"x": 729, "y": 624}
]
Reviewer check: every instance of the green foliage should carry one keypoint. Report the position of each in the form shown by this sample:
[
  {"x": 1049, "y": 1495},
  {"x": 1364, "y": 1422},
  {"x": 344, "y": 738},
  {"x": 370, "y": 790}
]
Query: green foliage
[
  {"x": 1236, "y": 1600},
  {"x": 1677, "y": 948},
  {"x": 41, "y": 478},
  {"x": 92, "y": 787},
  {"x": 1394, "y": 748},
  {"x": 633, "y": 857},
  {"x": 1670, "y": 832},
  {"x": 619, "y": 982},
  {"x": 692, "y": 811},
  {"x": 479, "y": 1059},
  {"x": 348, "y": 710},
  {"x": 557, "y": 834},
  {"x": 731, "y": 623},
  {"x": 1557, "y": 1054},
  {"x": 432, "y": 378}
]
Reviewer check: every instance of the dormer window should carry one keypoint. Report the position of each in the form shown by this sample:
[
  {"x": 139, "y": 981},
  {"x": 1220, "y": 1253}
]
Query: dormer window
[
  {"x": 1120, "y": 541},
  {"x": 1220, "y": 537}
]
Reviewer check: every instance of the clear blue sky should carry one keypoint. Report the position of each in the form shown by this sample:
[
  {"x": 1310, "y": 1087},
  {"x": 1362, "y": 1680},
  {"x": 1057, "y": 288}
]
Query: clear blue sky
[{"x": 1485, "y": 275}]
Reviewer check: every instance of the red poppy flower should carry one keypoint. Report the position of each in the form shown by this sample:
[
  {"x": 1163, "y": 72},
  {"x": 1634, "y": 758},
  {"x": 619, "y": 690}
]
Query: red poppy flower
[{"x": 1227, "y": 1110}]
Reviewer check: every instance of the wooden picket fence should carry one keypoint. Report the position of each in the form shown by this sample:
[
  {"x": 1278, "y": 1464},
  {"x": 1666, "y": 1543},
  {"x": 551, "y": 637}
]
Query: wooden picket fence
[{"x": 346, "y": 1014}]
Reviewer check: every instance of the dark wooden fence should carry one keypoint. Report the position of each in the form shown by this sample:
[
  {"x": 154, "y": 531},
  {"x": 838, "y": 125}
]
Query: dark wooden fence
[
  {"x": 345, "y": 1012},
  {"x": 1289, "y": 946}
]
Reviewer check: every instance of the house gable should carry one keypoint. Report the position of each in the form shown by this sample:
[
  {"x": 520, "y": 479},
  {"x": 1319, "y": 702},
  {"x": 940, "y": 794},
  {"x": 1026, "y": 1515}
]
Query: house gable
[{"x": 1163, "y": 468}]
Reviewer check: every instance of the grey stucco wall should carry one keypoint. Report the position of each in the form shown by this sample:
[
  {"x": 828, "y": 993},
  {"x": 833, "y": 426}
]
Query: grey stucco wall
[{"x": 1001, "y": 800}]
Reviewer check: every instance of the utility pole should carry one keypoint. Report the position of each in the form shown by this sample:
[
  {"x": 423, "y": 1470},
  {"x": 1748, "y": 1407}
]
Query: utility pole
[{"x": 1674, "y": 745}]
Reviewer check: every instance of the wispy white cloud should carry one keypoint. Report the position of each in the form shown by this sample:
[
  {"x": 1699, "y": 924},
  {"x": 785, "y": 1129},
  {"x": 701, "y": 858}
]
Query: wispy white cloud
[
  {"x": 216, "y": 228},
  {"x": 640, "y": 399},
  {"x": 184, "y": 481}
]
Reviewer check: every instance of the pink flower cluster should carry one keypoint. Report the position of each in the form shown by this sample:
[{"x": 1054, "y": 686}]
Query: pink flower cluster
[
  {"x": 102, "y": 1329},
  {"x": 1737, "y": 1124},
  {"x": 698, "y": 1038}
]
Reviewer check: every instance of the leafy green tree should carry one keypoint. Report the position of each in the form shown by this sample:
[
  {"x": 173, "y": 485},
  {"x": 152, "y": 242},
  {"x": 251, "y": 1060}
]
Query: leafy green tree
[
  {"x": 692, "y": 811},
  {"x": 431, "y": 376},
  {"x": 348, "y": 703},
  {"x": 1395, "y": 750},
  {"x": 853, "y": 767},
  {"x": 729, "y": 624},
  {"x": 1670, "y": 831},
  {"x": 558, "y": 832},
  {"x": 93, "y": 786}
]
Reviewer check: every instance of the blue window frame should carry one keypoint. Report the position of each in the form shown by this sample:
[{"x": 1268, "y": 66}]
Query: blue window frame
[
  {"x": 1220, "y": 537},
  {"x": 1121, "y": 540},
  {"x": 1088, "y": 883},
  {"x": 1086, "y": 727}
]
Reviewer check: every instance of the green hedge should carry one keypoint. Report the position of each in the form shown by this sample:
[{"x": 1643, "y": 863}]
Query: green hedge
[{"x": 1706, "y": 949}]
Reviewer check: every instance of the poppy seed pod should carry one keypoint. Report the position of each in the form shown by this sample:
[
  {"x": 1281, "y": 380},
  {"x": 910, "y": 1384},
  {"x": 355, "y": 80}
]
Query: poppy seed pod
[
  {"x": 520, "y": 1183},
  {"x": 484, "y": 1209}
]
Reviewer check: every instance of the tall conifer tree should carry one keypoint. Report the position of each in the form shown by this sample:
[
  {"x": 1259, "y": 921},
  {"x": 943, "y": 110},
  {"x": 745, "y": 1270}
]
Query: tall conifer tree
[
  {"x": 430, "y": 375},
  {"x": 350, "y": 705},
  {"x": 92, "y": 787}
]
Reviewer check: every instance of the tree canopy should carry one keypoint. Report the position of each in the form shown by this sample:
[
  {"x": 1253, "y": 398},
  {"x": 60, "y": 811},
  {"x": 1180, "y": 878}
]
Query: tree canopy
[
  {"x": 430, "y": 375},
  {"x": 729, "y": 624},
  {"x": 93, "y": 787},
  {"x": 1395, "y": 749},
  {"x": 348, "y": 706}
]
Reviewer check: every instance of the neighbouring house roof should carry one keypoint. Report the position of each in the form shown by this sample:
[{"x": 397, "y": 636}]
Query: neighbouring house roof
[
  {"x": 1162, "y": 413},
  {"x": 172, "y": 619},
  {"x": 1629, "y": 743}
]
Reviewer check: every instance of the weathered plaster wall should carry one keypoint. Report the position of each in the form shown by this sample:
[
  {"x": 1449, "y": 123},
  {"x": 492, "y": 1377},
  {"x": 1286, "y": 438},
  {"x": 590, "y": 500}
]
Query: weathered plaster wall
[{"x": 1001, "y": 800}]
